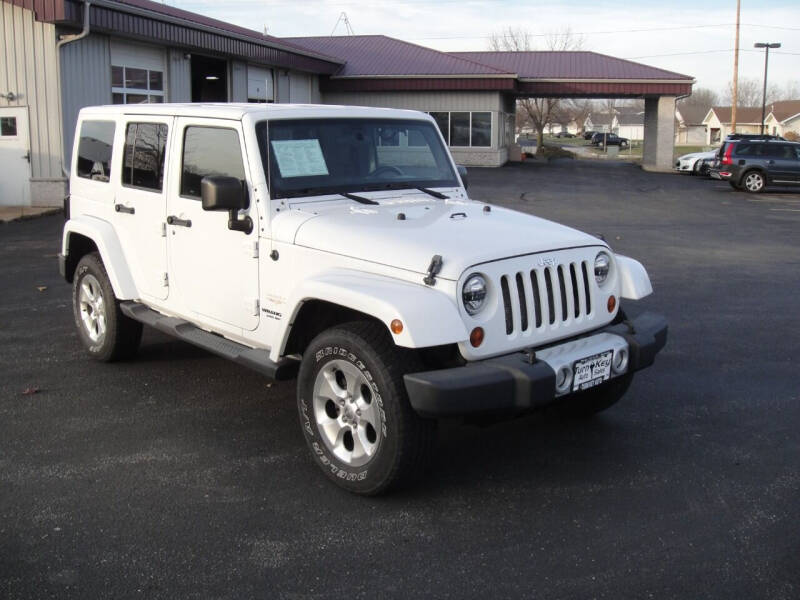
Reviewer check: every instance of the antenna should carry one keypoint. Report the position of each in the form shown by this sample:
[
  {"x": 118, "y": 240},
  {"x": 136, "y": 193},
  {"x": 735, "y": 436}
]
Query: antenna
[
  {"x": 266, "y": 30},
  {"x": 343, "y": 19}
]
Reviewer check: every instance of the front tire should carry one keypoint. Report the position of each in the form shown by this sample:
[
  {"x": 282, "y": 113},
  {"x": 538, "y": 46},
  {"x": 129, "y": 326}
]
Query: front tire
[
  {"x": 105, "y": 332},
  {"x": 354, "y": 409}
]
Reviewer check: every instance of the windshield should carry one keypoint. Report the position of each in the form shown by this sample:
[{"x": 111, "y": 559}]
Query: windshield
[{"x": 311, "y": 157}]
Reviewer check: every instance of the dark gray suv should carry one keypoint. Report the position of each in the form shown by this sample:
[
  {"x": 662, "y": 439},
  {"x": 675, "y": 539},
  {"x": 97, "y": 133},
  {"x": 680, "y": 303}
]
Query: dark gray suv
[{"x": 752, "y": 165}]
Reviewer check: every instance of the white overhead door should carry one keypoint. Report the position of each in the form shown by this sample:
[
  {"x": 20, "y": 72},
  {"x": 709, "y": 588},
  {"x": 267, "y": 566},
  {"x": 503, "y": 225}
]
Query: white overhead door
[
  {"x": 15, "y": 166},
  {"x": 259, "y": 84},
  {"x": 138, "y": 73}
]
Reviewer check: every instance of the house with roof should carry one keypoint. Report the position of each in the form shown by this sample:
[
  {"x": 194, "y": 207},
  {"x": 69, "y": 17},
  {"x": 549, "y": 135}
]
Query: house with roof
[
  {"x": 718, "y": 122},
  {"x": 783, "y": 118},
  {"x": 629, "y": 124},
  {"x": 690, "y": 129},
  {"x": 601, "y": 122},
  {"x": 62, "y": 55}
]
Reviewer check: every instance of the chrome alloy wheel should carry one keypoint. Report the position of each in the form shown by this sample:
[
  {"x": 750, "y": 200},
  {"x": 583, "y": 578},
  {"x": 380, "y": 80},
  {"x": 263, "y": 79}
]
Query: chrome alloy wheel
[
  {"x": 92, "y": 308},
  {"x": 347, "y": 417},
  {"x": 754, "y": 182}
]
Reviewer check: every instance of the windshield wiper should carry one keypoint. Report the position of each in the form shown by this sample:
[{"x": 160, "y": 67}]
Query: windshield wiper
[
  {"x": 434, "y": 193},
  {"x": 360, "y": 199}
]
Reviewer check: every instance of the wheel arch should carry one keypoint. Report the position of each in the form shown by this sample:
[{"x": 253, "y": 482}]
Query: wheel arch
[
  {"x": 340, "y": 296},
  {"x": 88, "y": 234}
]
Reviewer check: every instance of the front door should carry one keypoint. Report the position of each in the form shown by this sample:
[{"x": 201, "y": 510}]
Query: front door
[
  {"x": 213, "y": 270},
  {"x": 15, "y": 162},
  {"x": 141, "y": 202}
]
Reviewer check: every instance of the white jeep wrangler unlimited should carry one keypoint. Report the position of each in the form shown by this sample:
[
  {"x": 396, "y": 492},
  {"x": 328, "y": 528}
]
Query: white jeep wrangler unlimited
[{"x": 338, "y": 245}]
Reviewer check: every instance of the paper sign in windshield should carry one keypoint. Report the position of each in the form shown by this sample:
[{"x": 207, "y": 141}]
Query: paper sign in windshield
[{"x": 299, "y": 158}]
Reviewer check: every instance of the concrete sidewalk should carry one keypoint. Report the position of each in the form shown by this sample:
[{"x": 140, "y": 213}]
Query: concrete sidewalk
[{"x": 12, "y": 213}]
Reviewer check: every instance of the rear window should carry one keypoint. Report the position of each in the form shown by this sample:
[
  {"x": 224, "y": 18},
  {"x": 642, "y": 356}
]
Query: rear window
[
  {"x": 95, "y": 147},
  {"x": 143, "y": 157}
]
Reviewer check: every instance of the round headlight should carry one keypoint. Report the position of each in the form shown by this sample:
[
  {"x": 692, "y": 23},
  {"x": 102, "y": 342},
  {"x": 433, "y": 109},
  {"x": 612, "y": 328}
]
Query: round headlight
[
  {"x": 473, "y": 294},
  {"x": 602, "y": 263}
]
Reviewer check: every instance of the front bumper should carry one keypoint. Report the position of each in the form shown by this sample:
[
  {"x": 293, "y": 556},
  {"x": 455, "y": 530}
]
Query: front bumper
[{"x": 516, "y": 383}]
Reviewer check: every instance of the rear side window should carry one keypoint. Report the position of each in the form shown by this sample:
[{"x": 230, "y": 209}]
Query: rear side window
[
  {"x": 143, "y": 158},
  {"x": 746, "y": 149},
  {"x": 209, "y": 151},
  {"x": 779, "y": 151},
  {"x": 95, "y": 146}
]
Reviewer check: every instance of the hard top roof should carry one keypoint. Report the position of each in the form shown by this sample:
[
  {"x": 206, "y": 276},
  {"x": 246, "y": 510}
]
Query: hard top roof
[{"x": 237, "y": 111}]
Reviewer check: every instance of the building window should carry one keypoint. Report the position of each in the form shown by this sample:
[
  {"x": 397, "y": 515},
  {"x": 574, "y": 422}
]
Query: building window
[
  {"x": 8, "y": 126},
  {"x": 465, "y": 129},
  {"x": 143, "y": 157},
  {"x": 130, "y": 85},
  {"x": 95, "y": 148},
  {"x": 200, "y": 161}
]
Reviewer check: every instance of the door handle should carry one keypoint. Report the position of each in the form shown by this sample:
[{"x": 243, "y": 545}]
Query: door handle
[
  {"x": 173, "y": 220},
  {"x": 124, "y": 209},
  {"x": 27, "y": 156}
]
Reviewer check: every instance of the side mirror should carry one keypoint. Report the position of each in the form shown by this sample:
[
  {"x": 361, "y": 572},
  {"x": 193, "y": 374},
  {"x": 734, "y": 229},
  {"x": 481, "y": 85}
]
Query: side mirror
[
  {"x": 462, "y": 171},
  {"x": 220, "y": 193}
]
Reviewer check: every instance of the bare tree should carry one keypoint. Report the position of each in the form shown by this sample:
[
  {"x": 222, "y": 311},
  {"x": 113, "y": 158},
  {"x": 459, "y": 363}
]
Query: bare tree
[
  {"x": 750, "y": 92},
  {"x": 704, "y": 97},
  {"x": 540, "y": 111}
]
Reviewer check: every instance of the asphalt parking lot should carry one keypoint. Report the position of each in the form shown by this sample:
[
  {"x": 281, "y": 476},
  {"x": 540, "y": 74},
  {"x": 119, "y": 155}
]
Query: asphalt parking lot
[{"x": 180, "y": 475}]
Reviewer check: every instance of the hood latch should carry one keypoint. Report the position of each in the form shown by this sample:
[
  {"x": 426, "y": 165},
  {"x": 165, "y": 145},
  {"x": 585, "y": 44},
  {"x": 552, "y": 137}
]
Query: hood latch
[{"x": 433, "y": 270}]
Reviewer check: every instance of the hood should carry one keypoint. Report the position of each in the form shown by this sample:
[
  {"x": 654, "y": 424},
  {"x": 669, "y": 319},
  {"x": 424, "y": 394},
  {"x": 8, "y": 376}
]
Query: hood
[
  {"x": 697, "y": 155},
  {"x": 407, "y": 232}
]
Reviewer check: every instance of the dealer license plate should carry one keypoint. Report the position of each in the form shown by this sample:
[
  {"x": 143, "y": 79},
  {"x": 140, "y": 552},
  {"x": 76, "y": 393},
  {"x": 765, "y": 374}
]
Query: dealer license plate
[{"x": 591, "y": 371}]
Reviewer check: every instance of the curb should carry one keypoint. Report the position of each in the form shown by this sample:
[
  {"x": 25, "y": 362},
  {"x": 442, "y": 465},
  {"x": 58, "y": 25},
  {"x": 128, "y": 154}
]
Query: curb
[{"x": 23, "y": 217}]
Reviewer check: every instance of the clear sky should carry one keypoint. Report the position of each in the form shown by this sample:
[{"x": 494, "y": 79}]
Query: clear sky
[{"x": 693, "y": 37}]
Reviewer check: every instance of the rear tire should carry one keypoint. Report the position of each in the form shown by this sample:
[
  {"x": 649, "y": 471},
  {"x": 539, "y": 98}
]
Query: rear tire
[
  {"x": 105, "y": 332},
  {"x": 754, "y": 182},
  {"x": 354, "y": 409}
]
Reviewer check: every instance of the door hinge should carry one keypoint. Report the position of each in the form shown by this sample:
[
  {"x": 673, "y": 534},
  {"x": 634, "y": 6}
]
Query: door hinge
[
  {"x": 250, "y": 248},
  {"x": 254, "y": 305},
  {"x": 163, "y": 229},
  {"x": 255, "y": 249},
  {"x": 165, "y": 280}
]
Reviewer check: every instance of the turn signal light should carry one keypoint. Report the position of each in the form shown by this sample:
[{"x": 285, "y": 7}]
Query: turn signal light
[
  {"x": 612, "y": 304},
  {"x": 396, "y": 326},
  {"x": 476, "y": 337}
]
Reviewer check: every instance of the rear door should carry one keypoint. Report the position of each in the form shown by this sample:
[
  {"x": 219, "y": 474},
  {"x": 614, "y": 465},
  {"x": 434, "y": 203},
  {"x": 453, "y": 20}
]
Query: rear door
[
  {"x": 781, "y": 162},
  {"x": 15, "y": 156},
  {"x": 141, "y": 202},
  {"x": 213, "y": 269}
]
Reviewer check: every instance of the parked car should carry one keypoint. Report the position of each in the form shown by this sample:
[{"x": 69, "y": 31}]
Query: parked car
[
  {"x": 716, "y": 164},
  {"x": 754, "y": 164},
  {"x": 565, "y": 134},
  {"x": 308, "y": 242},
  {"x": 610, "y": 139},
  {"x": 587, "y": 135},
  {"x": 695, "y": 163}
]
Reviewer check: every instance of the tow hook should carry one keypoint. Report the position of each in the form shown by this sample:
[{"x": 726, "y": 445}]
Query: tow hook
[{"x": 433, "y": 270}]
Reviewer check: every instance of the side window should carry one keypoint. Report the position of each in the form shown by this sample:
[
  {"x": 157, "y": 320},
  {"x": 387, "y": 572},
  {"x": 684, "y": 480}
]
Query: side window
[
  {"x": 209, "y": 151},
  {"x": 95, "y": 146},
  {"x": 143, "y": 158}
]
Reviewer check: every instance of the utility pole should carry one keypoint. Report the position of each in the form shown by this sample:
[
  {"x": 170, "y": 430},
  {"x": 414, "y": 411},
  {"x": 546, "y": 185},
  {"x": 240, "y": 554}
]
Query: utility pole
[
  {"x": 767, "y": 46},
  {"x": 735, "y": 95}
]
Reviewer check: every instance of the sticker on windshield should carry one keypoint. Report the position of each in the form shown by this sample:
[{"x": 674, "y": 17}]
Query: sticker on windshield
[{"x": 299, "y": 158}]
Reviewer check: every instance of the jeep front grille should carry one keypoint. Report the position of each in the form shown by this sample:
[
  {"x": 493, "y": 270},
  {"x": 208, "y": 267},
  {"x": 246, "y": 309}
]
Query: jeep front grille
[{"x": 546, "y": 297}]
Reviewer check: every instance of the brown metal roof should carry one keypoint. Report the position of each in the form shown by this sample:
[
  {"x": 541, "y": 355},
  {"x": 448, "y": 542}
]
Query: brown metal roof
[
  {"x": 692, "y": 114},
  {"x": 382, "y": 56},
  {"x": 744, "y": 114},
  {"x": 569, "y": 65},
  {"x": 784, "y": 109}
]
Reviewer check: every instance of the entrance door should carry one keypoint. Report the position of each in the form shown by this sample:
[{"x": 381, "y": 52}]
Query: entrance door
[
  {"x": 15, "y": 163},
  {"x": 213, "y": 270}
]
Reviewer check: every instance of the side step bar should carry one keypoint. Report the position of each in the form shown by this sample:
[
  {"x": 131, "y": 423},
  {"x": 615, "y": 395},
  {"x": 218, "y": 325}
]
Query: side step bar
[{"x": 253, "y": 358}]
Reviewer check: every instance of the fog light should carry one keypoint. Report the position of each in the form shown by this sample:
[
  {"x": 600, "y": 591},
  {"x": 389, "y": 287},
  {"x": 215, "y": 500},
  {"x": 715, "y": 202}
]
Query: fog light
[
  {"x": 396, "y": 326},
  {"x": 620, "y": 362},
  {"x": 563, "y": 379},
  {"x": 612, "y": 304},
  {"x": 476, "y": 337}
]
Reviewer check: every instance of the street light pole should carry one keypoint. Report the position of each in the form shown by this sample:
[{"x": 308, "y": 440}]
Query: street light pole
[{"x": 767, "y": 46}]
